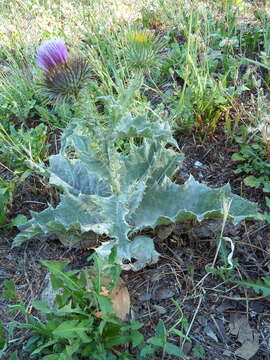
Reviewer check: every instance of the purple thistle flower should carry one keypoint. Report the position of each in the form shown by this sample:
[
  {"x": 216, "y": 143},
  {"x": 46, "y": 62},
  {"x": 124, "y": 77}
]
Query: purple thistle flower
[{"x": 51, "y": 53}]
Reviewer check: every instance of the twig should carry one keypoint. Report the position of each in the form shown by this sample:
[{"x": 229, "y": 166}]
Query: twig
[
  {"x": 192, "y": 321},
  {"x": 244, "y": 298}
]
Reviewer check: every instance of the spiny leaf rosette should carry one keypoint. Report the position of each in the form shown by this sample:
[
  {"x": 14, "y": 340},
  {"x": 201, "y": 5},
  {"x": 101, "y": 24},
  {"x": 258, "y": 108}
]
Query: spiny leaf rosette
[
  {"x": 121, "y": 194},
  {"x": 64, "y": 77},
  {"x": 142, "y": 49}
]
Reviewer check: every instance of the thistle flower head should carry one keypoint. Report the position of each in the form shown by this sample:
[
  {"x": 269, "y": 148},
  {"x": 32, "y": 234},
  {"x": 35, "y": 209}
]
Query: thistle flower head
[
  {"x": 141, "y": 38},
  {"x": 51, "y": 54},
  {"x": 142, "y": 48},
  {"x": 63, "y": 77}
]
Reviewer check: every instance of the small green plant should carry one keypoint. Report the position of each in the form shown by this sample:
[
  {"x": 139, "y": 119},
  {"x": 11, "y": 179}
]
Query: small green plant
[
  {"x": 6, "y": 195},
  {"x": 224, "y": 271},
  {"x": 160, "y": 342},
  {"x": 7, "y": 189},
  {"x": 18, "y": 95},
  {"x": 81, "y": 321},
  {"x": 205, "y": 93},
  {"x": 198, "y": 351},
  {"x": 252, "y": 160},
  {"x": 56, "y": 118},
  {"x": 22, "y": 149},
  {"x": 261, "y": 286}
]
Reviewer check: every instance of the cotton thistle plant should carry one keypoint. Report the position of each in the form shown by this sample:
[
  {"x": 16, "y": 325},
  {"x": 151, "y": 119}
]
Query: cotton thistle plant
[{"x": 63, "y": 77}]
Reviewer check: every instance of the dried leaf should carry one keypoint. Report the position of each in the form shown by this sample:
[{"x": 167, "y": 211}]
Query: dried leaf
[
  {"x": 98, "y": 314},
  {"x": 249, "y": 339},
  {"x": 210, "y": 332},
  {"x": 235, "y": 323},
  {"x": 119, "y": 297},
  {"x": 121, "y": 301},
  {"x": 104, "y": 291},
  {"x": 249, "y": 348}
]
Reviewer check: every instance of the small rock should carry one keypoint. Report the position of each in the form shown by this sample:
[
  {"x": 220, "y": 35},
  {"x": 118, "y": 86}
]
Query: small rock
[
  {"x": 187, "y": 347},
  {"x": 162, "y": 293},
  {"x": 144, "y": 297}
]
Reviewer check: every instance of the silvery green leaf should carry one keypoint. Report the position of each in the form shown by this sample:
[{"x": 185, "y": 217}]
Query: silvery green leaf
[
  {"x": 134, "y": 196},
  {"x": 89, "y": 153},
  {"x": 168, "y": 202},
  {"x": 74, "y": 176},
  {"x": 149, "y": 163},
  {"x": 138, "y": 253},
  {"x": 115, "y": 210},
  {"x": 67, "y": 224},
  {"x": 141, "y": 126}
]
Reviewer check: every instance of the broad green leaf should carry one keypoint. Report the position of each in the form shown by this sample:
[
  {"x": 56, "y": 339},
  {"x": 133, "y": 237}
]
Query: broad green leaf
[
  {"x": 147, "y": 350},
  {"x": 42, "y": 306},
  {"x": 140, "y": 248},
  {"x": 64, "y": 220},
  {"x": 19, "y": 220},
  {"x": 56, "y": 268},
  {"x": 157, "y": 341},
  {"x": 136, "y": 338},
  {"x": 252, "y": 181},
  {"x": 117, "y": 340},
  {"x": 105, "y": 305},
  {"x": 140, "y": 126},
  {"x": 68, "y": 309},
  {"x": 70, "y": 329},
  {"x": 134, "y": 325},
  {"x": 161, "y": 331},
  {"x": 172, "y": 349},
  {"x": 39, "y": 349},
  {"x": 149, "y": 163},
  {"x": 115, "y": 210}
]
